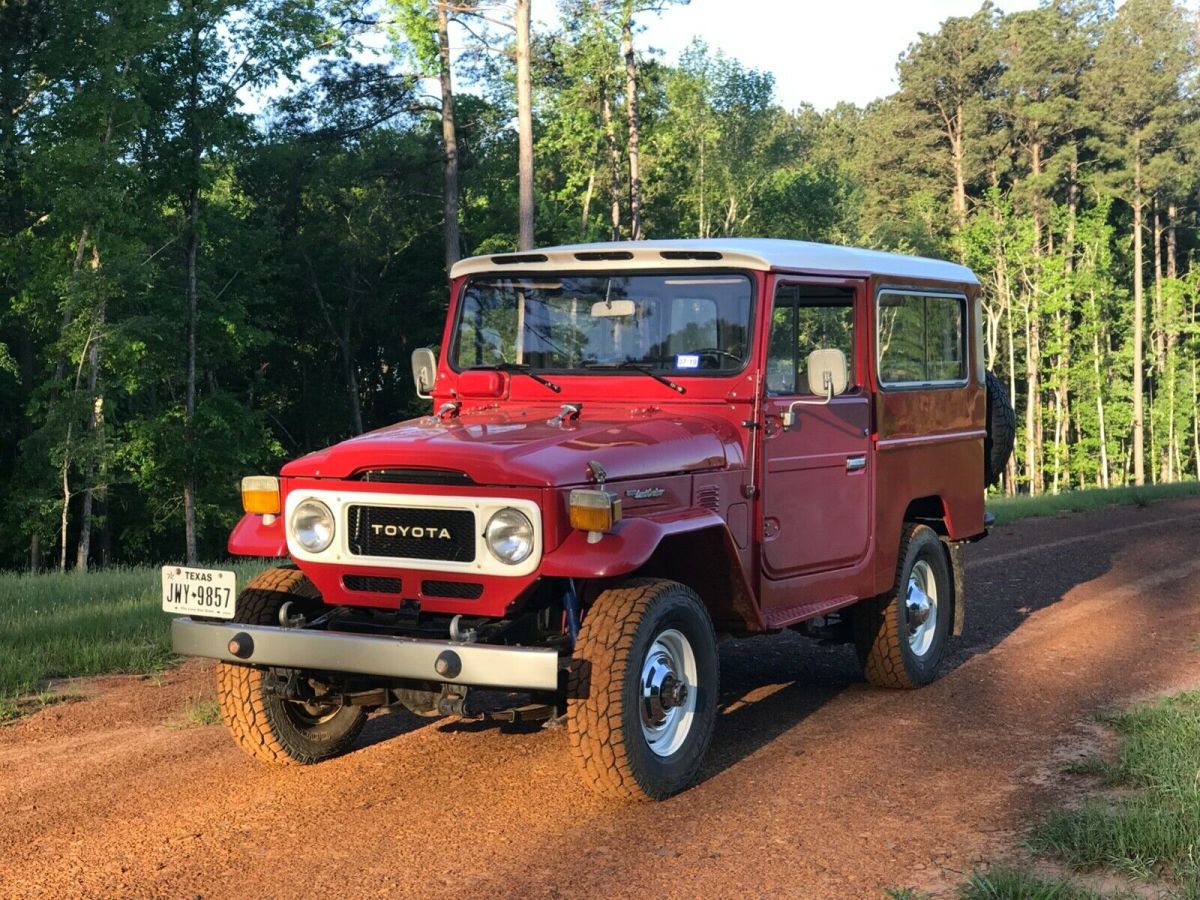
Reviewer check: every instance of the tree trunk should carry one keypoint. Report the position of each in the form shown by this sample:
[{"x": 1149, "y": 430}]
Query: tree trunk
[
  {"x": 956, "y": 158},
  {"x": 614, "y": 159},
  {"x": 1032, "y": 397},
  {"x": 1011, "y": 473},
  {"x": 1139, "y": 312},
  {"x": 96, "y": 429},
  {"x": 587, "y": 203},
  {"x": 450, "y": 229},
  {"x": 1172, "y": 218},
  {"x": 525, "y": 240},
  {"x": 189, "y": 414},
  {"x": 631, "y": 106}
]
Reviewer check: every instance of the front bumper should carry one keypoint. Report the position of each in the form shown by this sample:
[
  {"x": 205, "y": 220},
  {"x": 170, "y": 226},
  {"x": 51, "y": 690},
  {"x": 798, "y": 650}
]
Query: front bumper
[{"x": 451, "y": 662}]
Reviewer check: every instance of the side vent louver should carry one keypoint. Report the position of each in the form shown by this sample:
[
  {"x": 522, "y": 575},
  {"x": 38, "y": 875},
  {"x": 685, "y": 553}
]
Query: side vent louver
[{"x": 709, "y": 496}]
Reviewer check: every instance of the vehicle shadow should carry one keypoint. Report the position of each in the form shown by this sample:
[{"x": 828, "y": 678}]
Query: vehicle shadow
[{"x": 772, "y": 683}]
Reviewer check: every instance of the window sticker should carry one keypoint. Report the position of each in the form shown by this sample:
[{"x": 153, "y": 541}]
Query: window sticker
[{"x": 687, "y": 361}]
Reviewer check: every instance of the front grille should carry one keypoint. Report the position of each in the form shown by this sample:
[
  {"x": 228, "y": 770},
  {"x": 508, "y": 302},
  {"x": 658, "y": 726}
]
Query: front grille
[
  {"x": 445, "y": 535},
  {"x": 457, "y": 590},
  {"x": 371, "y": 584}
]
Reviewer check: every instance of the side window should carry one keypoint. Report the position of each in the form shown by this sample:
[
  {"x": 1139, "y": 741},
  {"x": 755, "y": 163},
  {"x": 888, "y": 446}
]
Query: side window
[
  {"x": 806, "y": 319},
  {"x": 921, "y": 339}
]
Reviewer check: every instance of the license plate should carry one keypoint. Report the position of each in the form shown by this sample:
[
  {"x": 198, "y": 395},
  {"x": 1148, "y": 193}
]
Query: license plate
[{"x": 199, "y": 592}]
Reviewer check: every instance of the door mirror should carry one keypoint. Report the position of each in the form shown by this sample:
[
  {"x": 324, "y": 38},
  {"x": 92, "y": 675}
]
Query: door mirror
[
  {"x": 827, "y": 375},
  {"x": 424, "y": 369},
  {"x": 827, "y": 378}
]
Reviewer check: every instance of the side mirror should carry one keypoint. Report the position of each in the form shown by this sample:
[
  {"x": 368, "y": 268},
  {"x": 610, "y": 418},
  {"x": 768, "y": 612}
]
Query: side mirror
[
  {"x": 827, "y": 376},
  {"x": 424, "y": 369},
  {"x": 827, "y": 373}
]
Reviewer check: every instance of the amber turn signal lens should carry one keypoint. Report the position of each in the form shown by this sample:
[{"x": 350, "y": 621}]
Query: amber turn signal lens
[
  {"x": 594, "y": 510},
  {"x": 260, "y": 494}
]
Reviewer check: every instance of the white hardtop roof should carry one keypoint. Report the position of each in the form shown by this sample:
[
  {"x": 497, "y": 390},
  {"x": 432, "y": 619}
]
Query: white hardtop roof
[{"x": 740, "y": 253}]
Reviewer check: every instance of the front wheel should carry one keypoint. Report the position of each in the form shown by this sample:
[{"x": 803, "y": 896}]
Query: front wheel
[
  {"x": 642, "y": 704},
  {"x": 901, "y": 636},
  {"x": 253, "y": 707}
]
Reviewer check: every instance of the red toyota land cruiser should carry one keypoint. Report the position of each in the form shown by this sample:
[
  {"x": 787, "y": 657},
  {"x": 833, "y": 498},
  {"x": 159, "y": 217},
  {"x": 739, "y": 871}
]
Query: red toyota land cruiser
[{"x": 633, "y": 448}]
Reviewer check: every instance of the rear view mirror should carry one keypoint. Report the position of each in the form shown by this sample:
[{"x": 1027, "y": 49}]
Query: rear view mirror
[
  {"x": 613, "y": 309},
  {"x": 827, "y": 374},
  {"x": 424, "y": 369}
]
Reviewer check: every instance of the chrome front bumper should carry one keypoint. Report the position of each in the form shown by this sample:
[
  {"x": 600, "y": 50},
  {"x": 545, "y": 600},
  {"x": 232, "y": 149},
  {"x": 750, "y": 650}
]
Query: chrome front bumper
[{"x": 452, "y": 662}]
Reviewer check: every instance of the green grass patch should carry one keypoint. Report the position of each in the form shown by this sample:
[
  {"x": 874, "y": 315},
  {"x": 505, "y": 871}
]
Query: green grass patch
[
  {"x": 1013, "y": 509},
  {"x": 202, "y": 712},
  {"x": 1013, "y": 883},
  {"x": 67, "y": 625},
  {"x": 1149, "y": 825}
]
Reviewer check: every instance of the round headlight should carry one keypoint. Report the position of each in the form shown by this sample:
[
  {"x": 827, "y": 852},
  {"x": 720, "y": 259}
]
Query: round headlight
[
  {"x": 312, "y": 525},
  {"x": 509, "y": 535}
]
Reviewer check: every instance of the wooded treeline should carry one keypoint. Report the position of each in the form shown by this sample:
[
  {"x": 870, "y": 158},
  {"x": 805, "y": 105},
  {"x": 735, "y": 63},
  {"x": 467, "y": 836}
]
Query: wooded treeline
[{"x": 225, "y": 224}]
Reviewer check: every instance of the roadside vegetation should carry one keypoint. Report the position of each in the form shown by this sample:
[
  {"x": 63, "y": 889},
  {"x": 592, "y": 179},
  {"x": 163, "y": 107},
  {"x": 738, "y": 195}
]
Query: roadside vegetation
[
  {"x": 1013, "y": 509},
  {"x": 1139, "y": 824},
  {"x": 67, "y": 625}
]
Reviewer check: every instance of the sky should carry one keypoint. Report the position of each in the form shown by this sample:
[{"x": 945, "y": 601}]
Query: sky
[{"x": 820, "y": 51}]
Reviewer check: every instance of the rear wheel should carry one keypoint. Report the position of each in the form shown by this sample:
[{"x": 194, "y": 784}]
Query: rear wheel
[
  {"x": 901, "y": 636},
  {"x": 642, "y": 706},
  {"x": 253, "y": 707}
]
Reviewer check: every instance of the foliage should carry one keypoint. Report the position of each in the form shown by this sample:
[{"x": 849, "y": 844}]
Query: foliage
[{"x": 260, "y": 150}]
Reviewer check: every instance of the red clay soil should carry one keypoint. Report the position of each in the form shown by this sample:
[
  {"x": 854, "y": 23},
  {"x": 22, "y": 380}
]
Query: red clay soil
[{"x": 817, "y": 785}]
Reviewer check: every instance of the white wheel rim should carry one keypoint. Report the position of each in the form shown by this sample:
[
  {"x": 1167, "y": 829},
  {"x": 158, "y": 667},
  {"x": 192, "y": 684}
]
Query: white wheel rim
[
  {"x": 667, "y": 692},
  {"x": 921, "y": 607}
]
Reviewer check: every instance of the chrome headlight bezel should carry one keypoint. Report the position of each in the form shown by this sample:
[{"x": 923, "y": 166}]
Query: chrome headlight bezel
[
  {"x": 510, "y": 528},
  {"x": 312, "y": 526}
]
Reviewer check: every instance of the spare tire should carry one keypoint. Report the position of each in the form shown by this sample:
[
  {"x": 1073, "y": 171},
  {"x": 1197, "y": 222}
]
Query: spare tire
[{"x": 1001, "y": 430}]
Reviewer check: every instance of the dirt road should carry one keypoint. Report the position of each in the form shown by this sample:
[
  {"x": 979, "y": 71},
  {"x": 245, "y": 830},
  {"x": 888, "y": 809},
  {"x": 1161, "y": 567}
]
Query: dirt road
[{"x": 817, "y": 785}]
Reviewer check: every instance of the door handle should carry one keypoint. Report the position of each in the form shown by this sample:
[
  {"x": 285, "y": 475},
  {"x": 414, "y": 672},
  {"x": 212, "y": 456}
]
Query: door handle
[{"x": 854, "y": 463}]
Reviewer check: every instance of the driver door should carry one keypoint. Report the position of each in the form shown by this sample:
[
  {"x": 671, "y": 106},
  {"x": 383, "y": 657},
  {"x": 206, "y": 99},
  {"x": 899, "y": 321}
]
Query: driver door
[{"x": 817, "y": 478}]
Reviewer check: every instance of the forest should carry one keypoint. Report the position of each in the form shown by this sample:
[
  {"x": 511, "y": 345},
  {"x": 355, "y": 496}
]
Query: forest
[{"x": 226, "y": 224}]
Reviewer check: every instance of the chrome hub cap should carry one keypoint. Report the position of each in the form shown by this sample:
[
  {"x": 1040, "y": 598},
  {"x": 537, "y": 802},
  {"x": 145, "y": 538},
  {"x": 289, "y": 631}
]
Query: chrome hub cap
[
  {"x": 668, "y": 696},
  {"x": 921, "y": 607}
]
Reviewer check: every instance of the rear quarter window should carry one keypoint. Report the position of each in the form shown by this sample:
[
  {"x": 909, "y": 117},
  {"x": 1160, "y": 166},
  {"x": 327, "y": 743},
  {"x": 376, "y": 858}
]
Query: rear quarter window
[{"x": 921, "y": 339}]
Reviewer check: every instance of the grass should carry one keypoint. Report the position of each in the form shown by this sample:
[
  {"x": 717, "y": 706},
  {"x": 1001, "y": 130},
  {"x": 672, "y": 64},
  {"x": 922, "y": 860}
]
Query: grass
[
  {"x": 1012, "y": 883},
  {"x": 66, "y": 625},
  {"x": 202, "y": 712},
  {"x": 1149, "y": 825},
  {"x": 1013, "y": 509}
]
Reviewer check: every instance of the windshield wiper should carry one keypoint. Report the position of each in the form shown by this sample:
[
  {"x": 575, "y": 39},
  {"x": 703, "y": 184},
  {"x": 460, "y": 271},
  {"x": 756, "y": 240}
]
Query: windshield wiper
[
  {"x": 520, "y": 369},
  {"x": 638, "y": 367}
]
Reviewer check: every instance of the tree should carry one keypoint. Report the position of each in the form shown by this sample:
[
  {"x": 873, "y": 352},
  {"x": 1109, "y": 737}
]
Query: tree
[{"x": 1143, "y": 62}]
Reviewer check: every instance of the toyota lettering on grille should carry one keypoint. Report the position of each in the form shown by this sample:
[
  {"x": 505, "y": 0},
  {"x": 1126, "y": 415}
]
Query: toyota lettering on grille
[
  {"x": 411, "y": 532},
  {"x": 428, "y": 532}
]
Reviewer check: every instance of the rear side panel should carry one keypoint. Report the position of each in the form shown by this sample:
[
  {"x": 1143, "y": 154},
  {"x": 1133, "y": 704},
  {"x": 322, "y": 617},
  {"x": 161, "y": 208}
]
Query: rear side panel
[{"x": 928, "y": 439}]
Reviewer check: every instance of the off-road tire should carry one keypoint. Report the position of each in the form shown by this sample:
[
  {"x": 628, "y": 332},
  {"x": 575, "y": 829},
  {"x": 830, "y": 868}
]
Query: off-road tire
[
  {"x": 265, "y": 725},
  {"x": 604, "y": 724},
  {"x": 881, "y": 634},
  {"x": 1001, "y": 430}
]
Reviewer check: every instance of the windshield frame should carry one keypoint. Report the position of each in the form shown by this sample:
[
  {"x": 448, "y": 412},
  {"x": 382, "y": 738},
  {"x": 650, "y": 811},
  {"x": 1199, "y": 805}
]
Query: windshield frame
[{"x": 613, "y": 369}]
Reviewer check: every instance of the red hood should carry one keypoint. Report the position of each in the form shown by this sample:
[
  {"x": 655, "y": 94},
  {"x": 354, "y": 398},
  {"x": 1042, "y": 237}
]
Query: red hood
[{"x": 518, "y": 447}]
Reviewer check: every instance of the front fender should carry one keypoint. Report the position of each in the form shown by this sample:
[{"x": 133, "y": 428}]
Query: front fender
[
  {"x": 250, "y": 537},
  {"x": 624, "y": 550}
]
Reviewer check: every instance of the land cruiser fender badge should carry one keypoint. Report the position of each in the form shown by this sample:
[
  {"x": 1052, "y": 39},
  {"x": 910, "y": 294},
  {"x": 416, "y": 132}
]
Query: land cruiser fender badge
[{"x": 645, "y": 493}]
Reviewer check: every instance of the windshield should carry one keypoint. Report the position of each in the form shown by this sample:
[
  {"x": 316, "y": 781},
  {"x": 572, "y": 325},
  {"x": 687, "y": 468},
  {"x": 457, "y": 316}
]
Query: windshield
[{"x": 668, "y": 323}]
